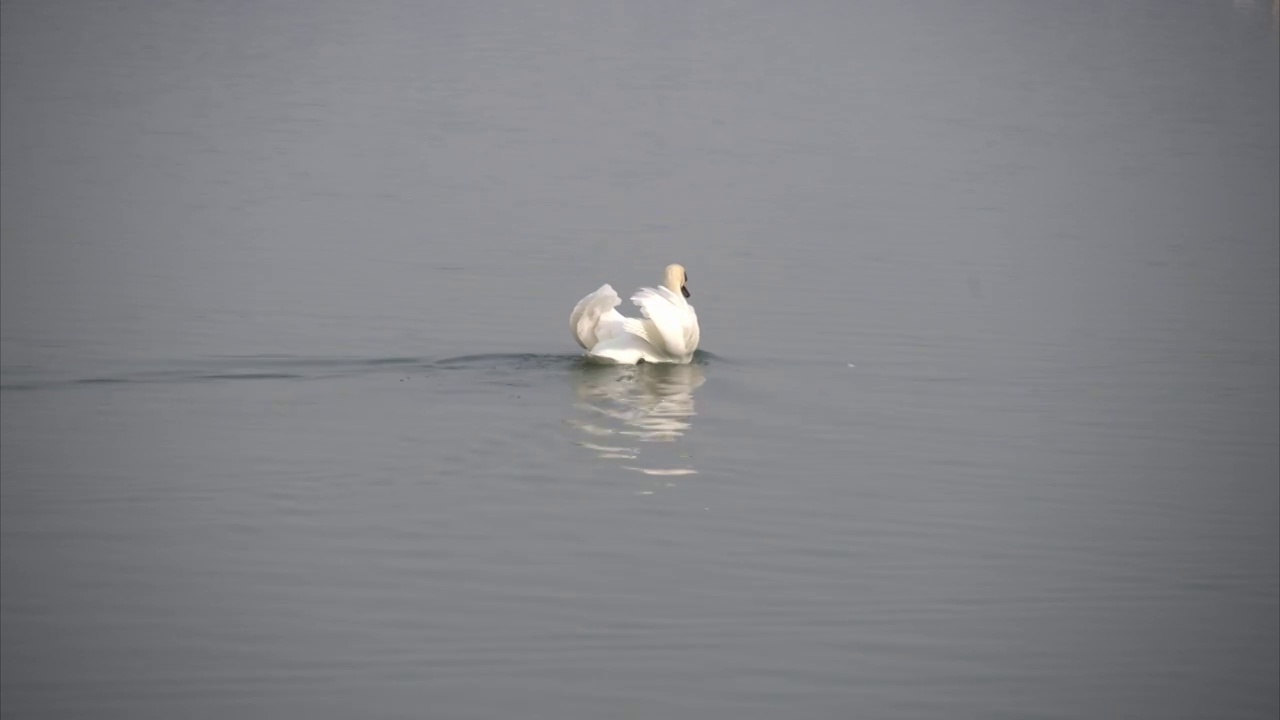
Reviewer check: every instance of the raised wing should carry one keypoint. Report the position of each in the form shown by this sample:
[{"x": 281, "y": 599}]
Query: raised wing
[
  {"x": 672, "y": 318},
  {"x": 692, "y": 333},
  {"x": 594, "y": 316}
]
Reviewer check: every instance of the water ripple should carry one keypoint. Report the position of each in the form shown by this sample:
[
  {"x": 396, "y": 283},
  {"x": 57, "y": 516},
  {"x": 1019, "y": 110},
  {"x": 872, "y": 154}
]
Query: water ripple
[{"x": 227, "y": 368}]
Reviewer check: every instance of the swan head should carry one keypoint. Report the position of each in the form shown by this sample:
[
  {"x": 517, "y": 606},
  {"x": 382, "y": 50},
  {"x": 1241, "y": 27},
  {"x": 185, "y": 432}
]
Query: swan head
[{"x": 676, "y": 278}]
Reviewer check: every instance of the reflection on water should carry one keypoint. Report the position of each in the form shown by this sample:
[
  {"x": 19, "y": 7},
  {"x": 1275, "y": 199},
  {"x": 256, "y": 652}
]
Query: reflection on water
[{"x": 621, "y": 407}]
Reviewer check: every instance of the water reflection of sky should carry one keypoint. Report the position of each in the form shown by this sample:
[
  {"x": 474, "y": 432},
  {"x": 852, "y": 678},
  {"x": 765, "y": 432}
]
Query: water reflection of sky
[{"x": 618, "y": 409}]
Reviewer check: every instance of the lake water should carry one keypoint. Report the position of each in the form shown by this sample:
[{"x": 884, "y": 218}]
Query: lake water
[{"x": 985, "y": 422}]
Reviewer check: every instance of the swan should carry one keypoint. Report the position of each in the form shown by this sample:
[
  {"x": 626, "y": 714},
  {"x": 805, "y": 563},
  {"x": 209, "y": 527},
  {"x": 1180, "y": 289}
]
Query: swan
[{"x": 668, "y": 332}]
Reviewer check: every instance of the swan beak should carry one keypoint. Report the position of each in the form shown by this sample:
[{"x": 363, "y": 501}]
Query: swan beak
[{"x": 684, "y": 291}]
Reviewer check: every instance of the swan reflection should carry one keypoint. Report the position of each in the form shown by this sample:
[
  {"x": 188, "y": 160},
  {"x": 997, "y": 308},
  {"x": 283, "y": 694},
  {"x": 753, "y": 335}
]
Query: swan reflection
[{"x": 620, "y": 407}]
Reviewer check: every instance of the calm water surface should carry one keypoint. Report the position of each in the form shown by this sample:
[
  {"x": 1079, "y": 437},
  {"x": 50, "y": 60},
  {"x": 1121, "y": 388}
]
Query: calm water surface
[{"x": 985, "y": 425}]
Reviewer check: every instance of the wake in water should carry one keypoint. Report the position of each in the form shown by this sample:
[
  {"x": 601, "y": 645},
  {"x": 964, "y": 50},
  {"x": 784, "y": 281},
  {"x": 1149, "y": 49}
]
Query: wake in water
[{"x": 293, "y": 367}]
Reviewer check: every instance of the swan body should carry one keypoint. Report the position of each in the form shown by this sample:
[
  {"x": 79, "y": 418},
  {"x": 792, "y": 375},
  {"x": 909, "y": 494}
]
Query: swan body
[{"x": 668, "y": 332}]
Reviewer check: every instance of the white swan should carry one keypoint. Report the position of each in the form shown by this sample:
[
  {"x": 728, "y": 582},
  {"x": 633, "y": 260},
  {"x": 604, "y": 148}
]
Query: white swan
[{"x": 668, "y": 333}]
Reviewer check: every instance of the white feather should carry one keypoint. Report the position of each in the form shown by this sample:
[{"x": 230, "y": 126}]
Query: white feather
[
  {"x": 668, "y": 332},
  {"x": 594, "y": 319},
  {"x": 672, "y": 319}
]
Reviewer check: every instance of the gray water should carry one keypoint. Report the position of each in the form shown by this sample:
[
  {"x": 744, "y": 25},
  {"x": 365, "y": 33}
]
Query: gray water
[{"x": 984, "y": 423}]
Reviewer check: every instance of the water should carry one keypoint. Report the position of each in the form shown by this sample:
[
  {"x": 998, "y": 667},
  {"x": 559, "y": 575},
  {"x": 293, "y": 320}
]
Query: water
[{"x": 984, "y": 423}]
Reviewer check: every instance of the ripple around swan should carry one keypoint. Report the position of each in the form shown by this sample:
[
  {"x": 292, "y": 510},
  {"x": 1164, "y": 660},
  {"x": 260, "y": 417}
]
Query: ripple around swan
[
  {"x": 300, "y": 368},
  {"x": 507, "y": 361}
]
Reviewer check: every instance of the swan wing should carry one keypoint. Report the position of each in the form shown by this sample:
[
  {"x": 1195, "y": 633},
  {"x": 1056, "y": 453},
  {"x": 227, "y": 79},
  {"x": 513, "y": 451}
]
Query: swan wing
[
  {"x": 692, "y": 332},
  {"x": 594, "y": 318},
  {"x": 672, "y": 319}
]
